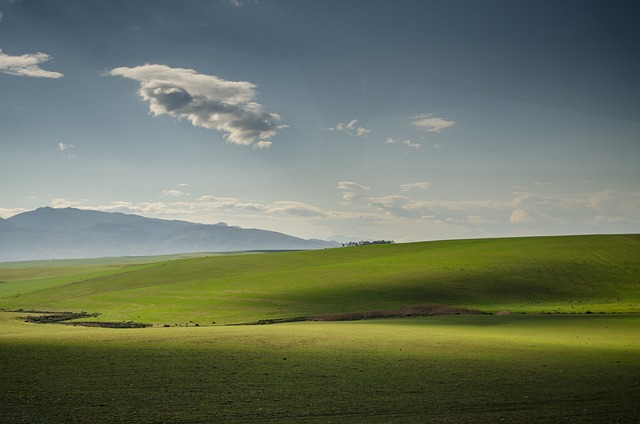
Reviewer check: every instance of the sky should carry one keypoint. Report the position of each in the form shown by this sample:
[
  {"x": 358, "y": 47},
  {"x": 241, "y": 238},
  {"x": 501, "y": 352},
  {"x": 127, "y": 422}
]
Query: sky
[{"x": 348, "y": 120}]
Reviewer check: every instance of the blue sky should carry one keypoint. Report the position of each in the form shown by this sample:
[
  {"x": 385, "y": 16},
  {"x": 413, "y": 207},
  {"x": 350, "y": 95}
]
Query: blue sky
[{"x": 403, "y": 120}]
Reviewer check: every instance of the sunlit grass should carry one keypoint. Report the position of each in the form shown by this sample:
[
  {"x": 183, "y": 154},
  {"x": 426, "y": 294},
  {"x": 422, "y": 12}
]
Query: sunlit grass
[
  {"x": 543, "y": 368},
  {"x": 547, "y": 274},
  {"x": 530, "y": 367}
]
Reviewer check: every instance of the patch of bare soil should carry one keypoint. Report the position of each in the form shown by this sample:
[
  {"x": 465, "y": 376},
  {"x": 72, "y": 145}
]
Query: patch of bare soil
[
  {"x": 409, "y": 311},
  {"x": 45, "y": 317}
]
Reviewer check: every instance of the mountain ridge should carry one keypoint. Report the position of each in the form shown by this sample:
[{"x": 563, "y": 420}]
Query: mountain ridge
[{"x": 68, "y": 233}]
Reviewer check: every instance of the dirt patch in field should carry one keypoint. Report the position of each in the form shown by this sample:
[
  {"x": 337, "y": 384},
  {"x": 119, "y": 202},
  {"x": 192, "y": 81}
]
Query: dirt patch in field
[
  {"x": 409, "y": 311},
  {"x": 65, "y": 318},
  {"x": 106, "y": 324}
]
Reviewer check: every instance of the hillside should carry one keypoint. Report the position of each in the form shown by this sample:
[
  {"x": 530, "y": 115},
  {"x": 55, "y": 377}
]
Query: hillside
[
  {"x": 542, "y": 274},
  {"x": 49, "y": 233}
]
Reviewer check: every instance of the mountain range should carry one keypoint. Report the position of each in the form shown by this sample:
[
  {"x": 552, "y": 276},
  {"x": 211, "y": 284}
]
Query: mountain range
[{"x": 66, "y": 233}]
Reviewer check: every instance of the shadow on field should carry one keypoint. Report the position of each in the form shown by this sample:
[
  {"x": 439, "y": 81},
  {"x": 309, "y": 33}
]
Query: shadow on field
[{"x": 533, "y": 285}]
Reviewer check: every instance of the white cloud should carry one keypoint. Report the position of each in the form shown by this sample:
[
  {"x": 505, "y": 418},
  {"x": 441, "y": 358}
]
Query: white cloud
[
  {"x": 431, "y": 123},
  {"x": 401, "y": 207},
  {"x": 280, "y": 207},
  {"x": 380, "y": 212},
  {"x": 240, "y": 3},
  {"x": 26, "y": 65},
  {"x": 400, "y": 217},
  {"x": 613, "y": 207},
  {"x": 351, "y": 191},
  {"x": 350, "y": 196},
  {"x": 407, "y": 143},
  {"x": 350, "y": 185},
  {"x": 68, "y": 203},
  {"x": 230, "y": 203},
  {"x": 9, "y": 212},
  {"x": 176, "y": 192},
  {"x": 480, "y": 220},
  {"x": 63, "y": 146},
  {"x": 561, "y": 210},
  {"x": 520, "y": 217},
  {"x": 441, "y": 211},
  {"x": 350, "y": 128},
  {"x": 422, "y": 185},
  {"x": 294, "y": 208},
  {"x": 205, "y": 101},
  {"x": 262, "y": 144},
  {"x": 173, "y": 193}
]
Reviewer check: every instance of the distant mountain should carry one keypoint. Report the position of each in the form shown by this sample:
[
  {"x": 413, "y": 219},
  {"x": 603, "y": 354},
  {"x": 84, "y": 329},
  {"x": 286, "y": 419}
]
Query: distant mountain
[{"x": 48, "y": 233}]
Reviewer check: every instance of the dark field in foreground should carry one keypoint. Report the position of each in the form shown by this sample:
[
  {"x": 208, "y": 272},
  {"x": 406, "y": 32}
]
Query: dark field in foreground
[{"x": 544, "y": 368}]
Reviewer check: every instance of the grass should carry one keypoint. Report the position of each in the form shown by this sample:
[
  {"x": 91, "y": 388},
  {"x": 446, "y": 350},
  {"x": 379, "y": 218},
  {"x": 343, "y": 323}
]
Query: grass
[
  {"x": 525, "y": 368},
  {"x": 582, "y": 368},
  {"x": 546, "y": 274},
  {"x": 29, "y": 276}
]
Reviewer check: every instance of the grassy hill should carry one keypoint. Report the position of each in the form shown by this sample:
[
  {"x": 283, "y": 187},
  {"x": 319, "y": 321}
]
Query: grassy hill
[
  {"x": 538, "y": 274},
  {"x": 543, "y": 368}
]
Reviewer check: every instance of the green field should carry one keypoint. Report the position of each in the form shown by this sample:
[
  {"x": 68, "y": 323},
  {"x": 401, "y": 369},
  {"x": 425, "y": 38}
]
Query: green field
[{"x": 569, "y": 352}]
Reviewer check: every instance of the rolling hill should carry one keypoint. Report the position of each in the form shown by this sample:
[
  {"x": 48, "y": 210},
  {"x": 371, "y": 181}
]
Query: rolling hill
[
  {"x": 49, "y": 233},
  {"x": 569, "y": 274},
  {"x": 556, "y": 363}
]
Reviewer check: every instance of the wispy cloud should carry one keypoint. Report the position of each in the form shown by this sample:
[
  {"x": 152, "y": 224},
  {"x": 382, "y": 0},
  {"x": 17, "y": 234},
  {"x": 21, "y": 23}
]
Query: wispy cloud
[
  {"x": 351, "y": 190},
  {"x": 26, "y": 65},
  {"x": 173, "y": 193},
  {"x": 430, "y": 122},
  {"x": 205, "y": 101},
  {"x": 177, "y": 192},
  {"x": 66, "y": 147},
  {"x": 350, "y": 185},
  {"x": 350, "y": 128},
  {"x": 63, "y": 146},
  {"x": 262, "y": 144},
  {"x": 615, "y": 207},
  {"x": 529, "y": 207},
  {"x": 279, "y": 207},
  {"x": 519, "y": 216},
  {"x": 240, "y": 3},
  {"x": 422, "y": 185},
  {"x": 401, "y": 207},
  {"x": 61, "y": 202},
  {"x": 395, "y": 216},
  {"x": 407, "y": 143},
  {"x": 480, "y": 220}
]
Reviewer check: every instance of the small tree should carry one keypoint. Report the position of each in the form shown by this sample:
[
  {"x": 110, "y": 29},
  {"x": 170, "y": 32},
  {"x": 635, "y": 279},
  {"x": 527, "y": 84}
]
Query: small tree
[{"x": 366, "y": 242}]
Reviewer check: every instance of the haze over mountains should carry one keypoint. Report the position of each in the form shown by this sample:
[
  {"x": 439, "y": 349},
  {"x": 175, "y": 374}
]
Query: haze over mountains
[{"x": 49, "y": 233}]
